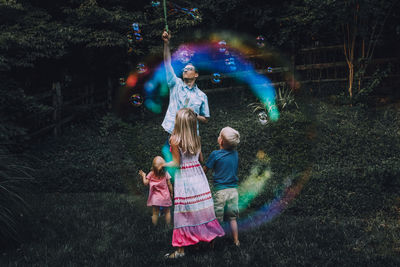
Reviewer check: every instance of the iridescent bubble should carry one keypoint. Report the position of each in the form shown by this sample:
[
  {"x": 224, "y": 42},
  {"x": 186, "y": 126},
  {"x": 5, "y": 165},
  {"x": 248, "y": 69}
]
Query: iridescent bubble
[
  {"x": 135, "y": 27},
  {"x": 216, "y": 78},
  {"x": 194, "y": 12},
  {"x": 263, "y": 117},
  {"x": 141, "y": 68},
  {"x": 260, "y": 41},
  {"x": 122, "y": 81},
  {"x": 230, "y": 63},
  {"x": 269, "y": 69},
  {"x": 222, "y": 46},
  {"x": 227, "y": 53},
  {"x": 138, "y": 37},
  {"x": 155, "y": 3},
  {"x": 136, "y": 100},
  {"x": 184, "y": 56},
  {"x": 129, "y": 37}
]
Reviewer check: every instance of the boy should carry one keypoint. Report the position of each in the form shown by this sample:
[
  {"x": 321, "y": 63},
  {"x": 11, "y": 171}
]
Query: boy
[{"x": 224, "y": 163}]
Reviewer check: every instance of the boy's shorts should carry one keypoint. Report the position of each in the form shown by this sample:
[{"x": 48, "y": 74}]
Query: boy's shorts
[{"x": 226, "y": 199}]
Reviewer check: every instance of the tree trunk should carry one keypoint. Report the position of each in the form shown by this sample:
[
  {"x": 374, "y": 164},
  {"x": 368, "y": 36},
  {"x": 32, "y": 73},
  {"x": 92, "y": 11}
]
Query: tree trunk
[{"x": 351, "y": 78}]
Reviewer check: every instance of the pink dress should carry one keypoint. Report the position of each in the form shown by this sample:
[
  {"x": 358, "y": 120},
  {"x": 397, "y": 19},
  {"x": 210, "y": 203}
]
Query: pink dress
[
  {"x": 158, "y": 192},
  {"x": 194, "y": 216}
]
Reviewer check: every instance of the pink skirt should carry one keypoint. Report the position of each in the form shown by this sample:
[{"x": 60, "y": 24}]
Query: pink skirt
[{"x": 190, "y": 235}]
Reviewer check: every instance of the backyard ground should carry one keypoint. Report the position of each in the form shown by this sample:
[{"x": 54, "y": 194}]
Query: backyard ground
[{"x": 343, "y": 164}]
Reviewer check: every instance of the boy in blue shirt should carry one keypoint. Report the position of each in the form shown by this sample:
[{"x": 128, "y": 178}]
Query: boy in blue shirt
[{"x": 224, "y": 163}]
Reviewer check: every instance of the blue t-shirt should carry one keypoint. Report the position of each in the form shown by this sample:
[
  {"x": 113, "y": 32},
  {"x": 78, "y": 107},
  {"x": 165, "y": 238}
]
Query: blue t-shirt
[{"x": 225, "y": 165}]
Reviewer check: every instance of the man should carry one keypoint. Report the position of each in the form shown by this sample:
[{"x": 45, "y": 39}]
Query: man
[{"x": 183, "y": 92}]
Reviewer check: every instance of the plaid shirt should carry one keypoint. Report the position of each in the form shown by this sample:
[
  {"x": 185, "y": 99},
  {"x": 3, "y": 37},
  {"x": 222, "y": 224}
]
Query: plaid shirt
[{"x": 181, "y": 96}]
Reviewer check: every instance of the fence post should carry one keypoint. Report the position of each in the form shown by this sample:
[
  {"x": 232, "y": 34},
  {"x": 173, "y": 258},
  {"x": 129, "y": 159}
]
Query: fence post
[
  {"x": 109, "y": 93},
  {"x": 57, "y": 105},
  {"x": 293, "y": 67}
]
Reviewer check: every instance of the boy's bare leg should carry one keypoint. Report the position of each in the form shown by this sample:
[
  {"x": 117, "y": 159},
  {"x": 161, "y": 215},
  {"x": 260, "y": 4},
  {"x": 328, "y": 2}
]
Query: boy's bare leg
[
  {"x": 167, "y": 216},
  {"x": 154, "y": 217},
  {"x": 235, "y": 232}
]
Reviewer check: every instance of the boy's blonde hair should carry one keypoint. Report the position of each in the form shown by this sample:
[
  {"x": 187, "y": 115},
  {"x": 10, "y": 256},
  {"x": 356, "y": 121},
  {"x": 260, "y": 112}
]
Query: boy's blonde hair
[
  {"x": 231, "y": 137},
  {"x": 185, "y": 131}
]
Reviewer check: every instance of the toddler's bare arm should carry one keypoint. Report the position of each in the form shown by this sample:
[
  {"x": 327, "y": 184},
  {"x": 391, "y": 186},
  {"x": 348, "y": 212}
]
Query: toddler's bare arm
[{"x": 144, "y": 179}]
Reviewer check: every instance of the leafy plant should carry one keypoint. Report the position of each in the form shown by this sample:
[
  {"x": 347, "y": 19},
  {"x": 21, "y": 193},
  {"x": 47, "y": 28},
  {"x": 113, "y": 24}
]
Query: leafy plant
[{"x": 285, "y": 98}]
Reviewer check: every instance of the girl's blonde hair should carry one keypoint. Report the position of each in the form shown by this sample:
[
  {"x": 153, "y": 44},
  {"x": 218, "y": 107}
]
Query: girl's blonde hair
[
  {"x": 185, "y": 131},
  {"x": 159, "y": 172},
  {"x": 231, "y": 137}
]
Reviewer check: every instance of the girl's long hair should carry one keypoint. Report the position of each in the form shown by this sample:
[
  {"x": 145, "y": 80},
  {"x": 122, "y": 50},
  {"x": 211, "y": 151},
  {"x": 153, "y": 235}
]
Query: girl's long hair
[{"x": 185, "y": 131}]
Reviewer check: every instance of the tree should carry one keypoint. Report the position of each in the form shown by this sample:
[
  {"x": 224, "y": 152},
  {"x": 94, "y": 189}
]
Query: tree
[{"x": 362, "y": 29}]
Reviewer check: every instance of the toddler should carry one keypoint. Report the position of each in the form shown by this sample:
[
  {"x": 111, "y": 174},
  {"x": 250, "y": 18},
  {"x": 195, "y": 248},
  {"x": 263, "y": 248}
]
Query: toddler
[
  {"x": 160, "y": 189},
  {"x": 224, "y": 163}
]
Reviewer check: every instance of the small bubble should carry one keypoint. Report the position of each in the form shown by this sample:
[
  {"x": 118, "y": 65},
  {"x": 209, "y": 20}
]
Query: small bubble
[
  {"x": 135, "y": 27},
  {"x": 155, "y": 3},
  {"x": 260, "y": 41},
  {"x": 216, "y": 78},
  {"x": 129, "y": 37},
  {"x": 269, "y": 69},
  {"x": 138, "y": 37},
  {"x": 230, "y": 63},
  {"x": 194, "y": 12},
  {"x": 222, "y": 46},
  {"x": 122, "y": 81},
  {"x": 141, "y": 68},
  {"x": 184, "y": 56},
  {"x": 263, "y": 118},
  {"x": 136, "y": 100}
]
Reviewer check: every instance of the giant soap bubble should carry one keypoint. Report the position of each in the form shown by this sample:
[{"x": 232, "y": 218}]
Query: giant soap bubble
[{"x": 227, "y": 55}]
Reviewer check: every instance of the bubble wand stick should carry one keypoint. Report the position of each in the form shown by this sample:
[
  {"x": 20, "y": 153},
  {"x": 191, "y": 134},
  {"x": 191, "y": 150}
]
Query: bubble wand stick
[{"x": 165, "y": 15}]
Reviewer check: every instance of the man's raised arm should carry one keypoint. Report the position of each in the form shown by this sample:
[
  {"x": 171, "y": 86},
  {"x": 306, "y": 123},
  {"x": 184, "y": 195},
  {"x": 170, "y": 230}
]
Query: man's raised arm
[{"x": 167, "y": 59}]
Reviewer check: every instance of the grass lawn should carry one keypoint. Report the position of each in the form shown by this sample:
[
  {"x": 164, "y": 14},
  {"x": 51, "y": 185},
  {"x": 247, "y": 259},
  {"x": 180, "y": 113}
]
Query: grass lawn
[{"x": 343, "y": 163}]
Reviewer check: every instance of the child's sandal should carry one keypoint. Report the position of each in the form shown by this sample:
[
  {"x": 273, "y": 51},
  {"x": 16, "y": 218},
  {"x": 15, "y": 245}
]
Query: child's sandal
[{"x": 174, "y": 255}]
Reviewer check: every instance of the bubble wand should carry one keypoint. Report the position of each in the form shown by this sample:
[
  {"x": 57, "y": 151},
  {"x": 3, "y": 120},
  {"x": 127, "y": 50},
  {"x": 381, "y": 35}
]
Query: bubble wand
[{"x": 165, "y": 15}]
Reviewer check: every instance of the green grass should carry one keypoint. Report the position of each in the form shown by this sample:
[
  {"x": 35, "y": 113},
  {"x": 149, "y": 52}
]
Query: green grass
[{"x": 90, "y": 206}]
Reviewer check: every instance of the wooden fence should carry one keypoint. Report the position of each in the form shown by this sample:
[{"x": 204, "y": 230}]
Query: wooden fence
[{"x": 312, "y": 65}]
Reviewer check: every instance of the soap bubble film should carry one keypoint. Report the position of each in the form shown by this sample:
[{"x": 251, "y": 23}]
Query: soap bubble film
[{"x": 223, "y": 56}]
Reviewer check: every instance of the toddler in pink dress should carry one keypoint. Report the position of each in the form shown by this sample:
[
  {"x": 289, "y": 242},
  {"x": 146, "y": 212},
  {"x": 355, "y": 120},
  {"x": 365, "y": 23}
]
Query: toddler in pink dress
[{"x": 160, "y": 189}]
